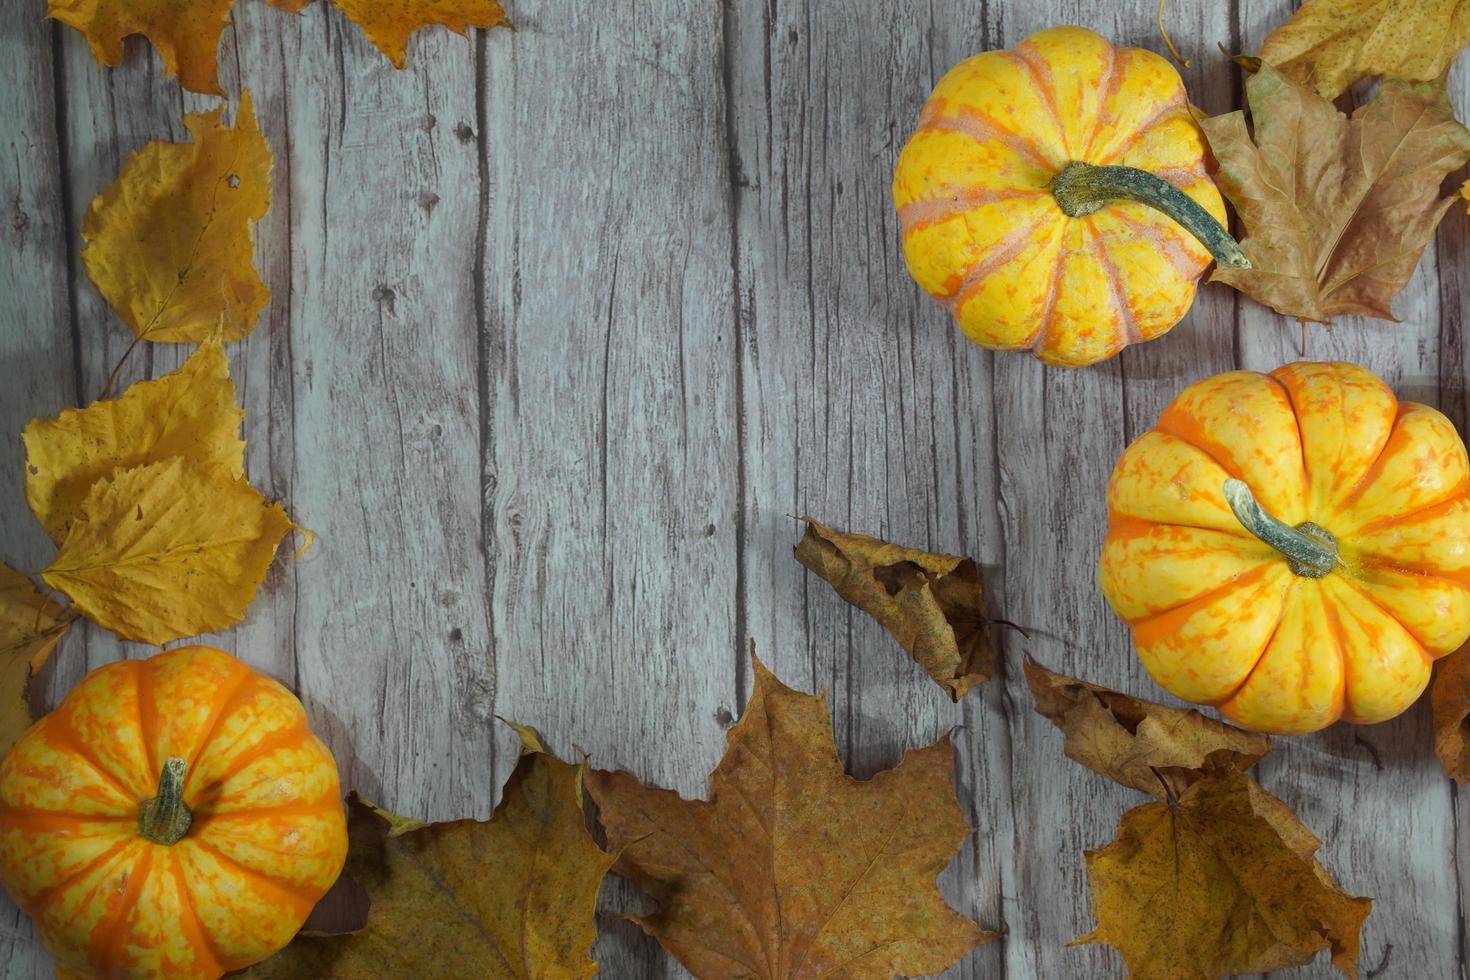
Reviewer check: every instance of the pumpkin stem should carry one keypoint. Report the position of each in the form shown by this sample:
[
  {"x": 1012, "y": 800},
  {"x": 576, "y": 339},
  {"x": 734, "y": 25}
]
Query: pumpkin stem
[
  {"x": 1310, "y": 549},
  {"x": 165, "y": 819},
  {"x": 1082, "y": 189}
]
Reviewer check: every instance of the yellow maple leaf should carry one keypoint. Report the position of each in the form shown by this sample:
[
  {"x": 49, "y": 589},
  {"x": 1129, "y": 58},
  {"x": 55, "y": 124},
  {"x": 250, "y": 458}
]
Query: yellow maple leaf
[
  {"x": 1330, "y": 44},
  {"x": 167, "y": 550},
  {"x": 511, "y": 897},
  {"x": 189, "y": 412},
  {"x": 170, "y": 246},
  {"x": 31, "y": 625},
  {"x": 185, "y": 32},
  {"x": 833, "y": 876},
  {"x": 1220, "y": 883},
  {"x": 390, "y": 23}
]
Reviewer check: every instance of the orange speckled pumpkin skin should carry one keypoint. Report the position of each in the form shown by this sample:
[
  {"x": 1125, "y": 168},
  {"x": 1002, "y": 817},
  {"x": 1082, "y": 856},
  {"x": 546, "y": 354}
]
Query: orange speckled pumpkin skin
[
  {"x": 984, "y": 235},
  {"x": 1219, "y": 617},
  {"x": 268, "y": 836}
]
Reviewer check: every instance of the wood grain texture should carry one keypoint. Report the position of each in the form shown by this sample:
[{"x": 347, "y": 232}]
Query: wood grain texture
[{"x": 569, "y": 324}]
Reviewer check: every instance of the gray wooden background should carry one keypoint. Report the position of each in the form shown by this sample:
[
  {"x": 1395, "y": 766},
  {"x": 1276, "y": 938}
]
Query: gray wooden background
[{"x": 568, "y": 323}]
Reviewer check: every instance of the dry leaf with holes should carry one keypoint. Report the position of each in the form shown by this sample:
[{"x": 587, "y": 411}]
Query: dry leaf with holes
[
  {"x": 190, "y": 412},
  {"x": 793, "y": 869},
  {"x": 1450, "y": 698},
  {"x": 30, "y": 627},
  {"x": 170, "y": 245},
  {"x": 1337, "y": 211},
  {"x": 1221, "y": 882},
  {"x": 167, "y": 550},
  {"x": 1150, "y": 747},
  {"x": 930, "y": 603},
  {"x": 514, "y": 896},
  {"x": 1330, "y": 44}
]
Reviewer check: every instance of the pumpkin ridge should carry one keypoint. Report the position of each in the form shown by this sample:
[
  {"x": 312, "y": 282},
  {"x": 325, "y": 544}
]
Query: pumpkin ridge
[
  {"x": 1160, "y": 116},
  {"x": 982, "y": 128},
  {"x": 203, "y": 802},
  {"x": 1184, "y": 264},
  {"x": 61, "y": 735},
  {"x": 1374, "y": 468},
  {"x": 1341, "y": 706},
  {"x": 106, "y": 943},
  {"x": 43, "y": 898},
  {"x": 1219, "y": 704},
  {"x": 43, "y": 819},
  {"x": 1163, "y": 425},
  {"x": 223, "y": 706},
  {"x": 1038, "y": 342},
  {"x": 147, "y": 716},
  {"x": 1301, "y": 441},
  {"x": 1111, "y": 86},
  {"x": 918, "y": 215},
  {"x": 1372, "y": 600},
  {"x": 1012, "y": 246},
  {"x": 212, "y": 820},
  {"x": 1127, "y": 318},
  {"x": 1245, "y": 579},
  {"x": 306, "y": 895},
  {"x": 1040, "y": 74},
  {"x": 190, "y": 923},
  {"x": 1461, "y": 492}
]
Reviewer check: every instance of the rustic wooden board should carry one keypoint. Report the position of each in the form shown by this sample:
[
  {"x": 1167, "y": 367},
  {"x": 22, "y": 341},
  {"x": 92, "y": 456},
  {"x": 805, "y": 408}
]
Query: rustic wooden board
[{"x": 570, "y": 325}]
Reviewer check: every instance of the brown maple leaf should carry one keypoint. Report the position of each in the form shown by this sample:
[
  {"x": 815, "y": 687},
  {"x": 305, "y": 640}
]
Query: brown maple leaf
[
  {"x": 794, "y": 869},
  {"x": 30, "y": 627},
  {"x": 1330, "y": 44},
  {"x": 930, "y": 603},
  {"x": 511, "y": 897},
  {"x": 1222, "y": 882},
  {"x": 1337, "y": 211},
  {"x": 1150, "y": 747},
  {"x": 1450, "y": 699}
]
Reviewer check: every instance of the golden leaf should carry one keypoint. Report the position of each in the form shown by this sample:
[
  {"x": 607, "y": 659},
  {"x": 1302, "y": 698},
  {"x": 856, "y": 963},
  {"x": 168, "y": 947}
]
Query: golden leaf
[
  {"x": 1450, "y": 698},
  {"x": 189, "y": 412},
  {"x": 1138, "y": 743},
  {"x": 1330, "y": 44},
  {"x": 1337, "y": 211},
  {"x": 185, "y": 32},
  {"x": 30, "y": 627},
  {"x": 514, "y": 896},
  {"x": 930, "y": 603},
  {"x": 1223, "y": 882},
  {"x": 167, "y": 550},
  {"x": 390, "y": 23},
  {"x": 170, "y": 245},
  {"x": 794, "y": 869}
]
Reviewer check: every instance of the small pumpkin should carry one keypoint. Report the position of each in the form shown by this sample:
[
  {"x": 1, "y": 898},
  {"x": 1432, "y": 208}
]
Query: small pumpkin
[
  {"x": 1055, "y": 198},
  {"x": 173, "y": 817},
  {"x": 1292, "y": 547}
]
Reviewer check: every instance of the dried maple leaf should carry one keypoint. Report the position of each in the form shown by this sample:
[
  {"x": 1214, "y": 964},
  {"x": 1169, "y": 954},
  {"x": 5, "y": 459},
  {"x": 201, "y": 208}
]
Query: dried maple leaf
[
  {"x": 167, "y": 550},
  {"x": 1150, "y": 747},
  {"x": 1330, "y": 44},
  {"x": 1450, "y": 698},
  {"x": 390, "y": 23},
  {"x": 30, "y": 627},
  {"x": 1337, "y": 211},
  {"x": 514, "y": 896},
  {"x": 794, "y": 869},
  {"x": 170, "y": 246},
  {"x": 930, "y": 603},
  {"x": 189, "y": 412},
  {"x": 1223, "y": 882}
]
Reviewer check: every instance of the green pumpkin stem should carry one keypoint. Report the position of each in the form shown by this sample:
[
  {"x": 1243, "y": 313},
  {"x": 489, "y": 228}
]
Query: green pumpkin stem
[
  {"x": 165, "y": 819},
  {"x": 1310, "y": 549},
  {"x": 1082, "y": 189}
]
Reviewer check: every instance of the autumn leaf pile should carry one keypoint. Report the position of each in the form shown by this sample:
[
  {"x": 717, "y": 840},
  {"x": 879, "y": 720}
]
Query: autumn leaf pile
[{"x": 791, "y": 868}]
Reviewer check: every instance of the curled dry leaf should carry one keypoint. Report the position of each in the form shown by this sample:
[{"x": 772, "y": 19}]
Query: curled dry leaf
[
  {"x": 30, "y": 627},
  {"x": 1337, "y": 211},
  {"x": 167, "y": 550},
  {"x": 189, "y": 412},
  {"x": 930, "y": 603},
  {"x": 1330, "y": 44},
  {"x": 511, "y": 897},
  {"x": 1450, "y": 698},
  {"x": 170, "y": 245},
  {"x": 1221, "y": 883},
  {"x": 794, "y": 869},
  {"x": 1150, "y": 747}
]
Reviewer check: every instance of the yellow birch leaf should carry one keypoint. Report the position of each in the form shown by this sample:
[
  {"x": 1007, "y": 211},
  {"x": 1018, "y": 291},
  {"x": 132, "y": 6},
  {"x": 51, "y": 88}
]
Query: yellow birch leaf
[
  {"x": 185, "y": 32},
  {"x": 1220, "y": 883},
  {"x": 1330, "y": 44},
  {"x": 390, "y": 23},
  {"x": 30, "y": 627},
  {"x": 794, "y": 870},
  {"x": 170, "y": 245},
  {"x": 189, "y": 412},
  {"x": 511, "y": 897},
  {"x": 168, "y": 550}
]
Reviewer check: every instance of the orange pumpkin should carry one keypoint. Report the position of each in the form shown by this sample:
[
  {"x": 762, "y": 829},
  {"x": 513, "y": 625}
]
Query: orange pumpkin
[
  {"x": 1054, "y": 198},
  {"x": 1292, "y": 547},
  {"x": 173, "y": 817}
]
